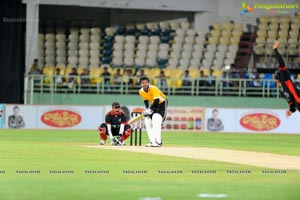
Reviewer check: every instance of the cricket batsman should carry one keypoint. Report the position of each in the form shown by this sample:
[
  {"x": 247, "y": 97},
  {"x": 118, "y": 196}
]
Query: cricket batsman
[
  {"x": 283, "y": 80},
  {"x": 115, "y": 125},
  {"x": 154, "y": 113}
]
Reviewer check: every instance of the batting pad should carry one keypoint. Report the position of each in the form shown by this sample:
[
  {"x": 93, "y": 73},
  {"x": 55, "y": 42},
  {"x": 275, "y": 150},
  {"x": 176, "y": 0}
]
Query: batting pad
[
  {"x": 156, "y": 124},
  {"x": 149, "y": 129}
]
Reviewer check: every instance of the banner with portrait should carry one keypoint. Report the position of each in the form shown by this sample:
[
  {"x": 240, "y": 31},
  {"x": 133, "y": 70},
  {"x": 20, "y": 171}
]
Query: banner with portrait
[
  {"x": 20, "y": 116},
  {"x": 220, "y": 120}
]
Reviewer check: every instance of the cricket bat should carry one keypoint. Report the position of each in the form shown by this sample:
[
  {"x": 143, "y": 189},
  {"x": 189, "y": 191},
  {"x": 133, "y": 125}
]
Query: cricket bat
[{"x": 135, "y": 119}]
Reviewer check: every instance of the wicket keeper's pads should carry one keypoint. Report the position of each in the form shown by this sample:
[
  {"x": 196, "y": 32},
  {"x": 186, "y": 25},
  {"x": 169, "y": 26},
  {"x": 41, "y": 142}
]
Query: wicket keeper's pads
[{"x": 102, "y": 133}]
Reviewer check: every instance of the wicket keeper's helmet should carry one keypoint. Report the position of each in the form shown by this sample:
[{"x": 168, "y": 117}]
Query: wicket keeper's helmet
[{"x": 115, "y": 104}]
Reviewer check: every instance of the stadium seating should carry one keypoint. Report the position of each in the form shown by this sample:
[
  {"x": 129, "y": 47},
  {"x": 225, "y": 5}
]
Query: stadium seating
[
  {"x": 41, "y": 52},
  {"x": 174, "y": 45},
  {"x": 285, "y": 29},
  {"x": 152, "y": 46}
]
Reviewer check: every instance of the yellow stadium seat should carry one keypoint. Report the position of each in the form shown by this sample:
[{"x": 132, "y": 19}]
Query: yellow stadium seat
[
  {"x": 68, "y": 70},
  {"x": 178, "y": 73},
  {"x": 194, "y": 73},
  {"x": 48, "y": 68},
  {"x": 234, "y": 41},
  {"x": 206, "y": 71},
  {"x": 264, "y": 19},
  {"x": 80, "y": 70},
  {"x": 146, "y": 70},
  {"x": 228, "y": 26},
  {"x": 169, "y": 82},
  {"x": 174, "y": 25},
  {"x": 238, "y": 27},
  {"x": 154, "y": 81},
  {"x": 168, "y": 71},
  {"x": 154, "y": 72},
  {"x": 62, "y": 69},
  {"x": 48, "y": 72},
  {"x": 178, "y": 83},
  {"x": 185, "y": 25},
  {"x": 217, "y": 72},
  {"x": 274, "y": 19},
  {"x": 217, "y": 26},
  {"x": 213, "y": 40},
  {"x": 173, "y": 77},
  {"x": 95, "y": 75},
  {"x": 110, "y": 70}
]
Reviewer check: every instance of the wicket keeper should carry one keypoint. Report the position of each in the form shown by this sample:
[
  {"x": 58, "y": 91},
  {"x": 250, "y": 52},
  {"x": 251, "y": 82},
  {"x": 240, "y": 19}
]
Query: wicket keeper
[
  {"x": 115, "y": 125},
  {"x": 283, "y": 80},
  {"x": 154, "y": 113}
]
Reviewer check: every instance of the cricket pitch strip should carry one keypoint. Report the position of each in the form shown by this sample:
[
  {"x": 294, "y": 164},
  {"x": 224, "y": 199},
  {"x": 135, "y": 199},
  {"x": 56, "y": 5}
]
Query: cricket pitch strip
[{"x": 252, "y": 158}]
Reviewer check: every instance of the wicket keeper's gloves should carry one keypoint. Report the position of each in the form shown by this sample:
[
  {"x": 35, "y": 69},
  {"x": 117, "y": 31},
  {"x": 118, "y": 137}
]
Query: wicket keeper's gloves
[{"x": 115, "y": 141}]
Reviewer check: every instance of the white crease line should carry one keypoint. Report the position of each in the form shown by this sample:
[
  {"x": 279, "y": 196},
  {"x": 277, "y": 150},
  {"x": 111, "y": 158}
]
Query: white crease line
[{"x": 204, "y": 195}]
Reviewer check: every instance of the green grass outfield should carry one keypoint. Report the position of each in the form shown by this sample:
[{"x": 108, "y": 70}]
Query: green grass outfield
[{"x": 60, "y": 151}]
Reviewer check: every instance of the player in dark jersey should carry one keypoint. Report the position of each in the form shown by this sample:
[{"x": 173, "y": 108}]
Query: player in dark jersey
[
  {"x": 115, "y": 125},
  {"x": 283, "y": 80}
]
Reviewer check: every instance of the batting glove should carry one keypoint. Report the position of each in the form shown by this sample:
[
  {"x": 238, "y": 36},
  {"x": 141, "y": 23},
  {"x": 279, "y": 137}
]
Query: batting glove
[{"x": 147, "y": 112}]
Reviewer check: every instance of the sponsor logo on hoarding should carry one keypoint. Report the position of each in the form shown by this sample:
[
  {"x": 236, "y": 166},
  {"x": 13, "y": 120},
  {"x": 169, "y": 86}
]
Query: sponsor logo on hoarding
[
  {"x": 61, "y": 118},
  {"x": 260, "y": 121}
]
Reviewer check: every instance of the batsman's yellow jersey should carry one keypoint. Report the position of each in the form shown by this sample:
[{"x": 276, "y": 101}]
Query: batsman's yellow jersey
[{"x": 152, "y": 93}]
